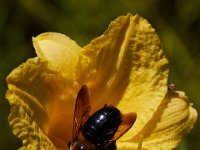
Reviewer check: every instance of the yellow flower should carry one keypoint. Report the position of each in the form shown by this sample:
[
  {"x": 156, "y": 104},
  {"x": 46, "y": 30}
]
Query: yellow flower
[{"x": 124, "y": 67}]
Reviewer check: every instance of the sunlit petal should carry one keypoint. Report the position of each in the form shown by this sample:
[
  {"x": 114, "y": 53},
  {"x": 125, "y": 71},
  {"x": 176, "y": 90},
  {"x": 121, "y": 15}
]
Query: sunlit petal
[
  {"x": 23, "y": 121},
  {"x": 126, "y": 67},
  {"x": 49, "y": 96},
  {"x": 59, "y": 50},
  {"x": 174, "y": 118}
]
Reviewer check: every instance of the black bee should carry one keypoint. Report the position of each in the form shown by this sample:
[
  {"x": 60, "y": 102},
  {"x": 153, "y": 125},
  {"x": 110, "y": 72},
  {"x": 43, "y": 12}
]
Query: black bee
[{"x": 101, "y": 130}]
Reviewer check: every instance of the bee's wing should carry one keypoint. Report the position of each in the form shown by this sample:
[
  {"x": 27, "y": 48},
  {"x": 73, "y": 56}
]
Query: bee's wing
[
  {"x": 81, "y": 112},
  {"x": 127, "y": 122}
]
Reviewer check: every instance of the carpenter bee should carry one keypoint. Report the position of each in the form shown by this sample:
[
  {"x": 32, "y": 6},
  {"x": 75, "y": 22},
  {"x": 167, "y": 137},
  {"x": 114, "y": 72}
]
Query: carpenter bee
[{"x": 100, "y": 130}]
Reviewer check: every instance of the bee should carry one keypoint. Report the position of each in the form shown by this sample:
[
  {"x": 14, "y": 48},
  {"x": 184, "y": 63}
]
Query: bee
[{"x": 100, "y": 130}]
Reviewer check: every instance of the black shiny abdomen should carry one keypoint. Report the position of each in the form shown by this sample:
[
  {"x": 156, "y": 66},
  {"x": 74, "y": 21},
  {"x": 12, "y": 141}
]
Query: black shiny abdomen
[{"x": 102, "y": 125}]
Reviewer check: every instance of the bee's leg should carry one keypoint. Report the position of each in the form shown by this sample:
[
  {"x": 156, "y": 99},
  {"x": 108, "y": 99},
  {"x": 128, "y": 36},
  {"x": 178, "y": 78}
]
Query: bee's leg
[
  {"x": 111, "y": 146},
  {"x": 69, "y": 144}
]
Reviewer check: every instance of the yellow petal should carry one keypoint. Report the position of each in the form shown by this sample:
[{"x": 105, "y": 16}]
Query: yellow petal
[
  {"x": 59, "y": 50},
  {"x": 129, "y": 146},
  {"x": 126, "y": 67},
  {"x": 174, "y": 118},
  {"x": 23, "y": 122},
  {"x": 47, "y": 95}
]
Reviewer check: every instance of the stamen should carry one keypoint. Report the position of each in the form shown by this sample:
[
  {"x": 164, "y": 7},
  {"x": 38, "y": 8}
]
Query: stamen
[{"x": 140, "y": 142}]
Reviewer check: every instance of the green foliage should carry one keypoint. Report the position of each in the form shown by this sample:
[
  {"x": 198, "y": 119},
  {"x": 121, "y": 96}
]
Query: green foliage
[{"x": 177, "y": 23}]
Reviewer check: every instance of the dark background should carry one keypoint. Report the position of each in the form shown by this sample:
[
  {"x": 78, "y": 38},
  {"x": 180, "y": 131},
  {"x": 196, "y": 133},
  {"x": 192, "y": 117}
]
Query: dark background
[{"x": 177, "y": 22}]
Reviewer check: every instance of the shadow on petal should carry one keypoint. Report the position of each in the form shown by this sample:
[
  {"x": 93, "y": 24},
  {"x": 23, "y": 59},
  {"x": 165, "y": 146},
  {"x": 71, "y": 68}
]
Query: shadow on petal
[{"x": 170, "y": 123}]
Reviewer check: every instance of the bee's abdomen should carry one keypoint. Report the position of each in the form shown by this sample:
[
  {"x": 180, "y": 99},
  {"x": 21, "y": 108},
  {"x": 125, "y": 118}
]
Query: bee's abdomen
[{"x": 102, "y": 125}]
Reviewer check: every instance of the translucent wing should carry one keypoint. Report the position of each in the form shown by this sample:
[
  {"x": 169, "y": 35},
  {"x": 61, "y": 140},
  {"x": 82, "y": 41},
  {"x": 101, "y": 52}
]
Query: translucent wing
[
  {"x": 81, "y": 112},
  {"x": 127, "y": 122}
]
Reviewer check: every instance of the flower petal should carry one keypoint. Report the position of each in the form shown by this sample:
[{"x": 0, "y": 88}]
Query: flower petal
[
  {"x": 48, "y": 95},
  {"x": 126, "y": 67},
  {"x": 174, "y": 118},
  {"x": 59, "y": 50},
  {"x": 23, "y": 122},
  {"x": 129, "y": 146},
  {"x": 61, "y": 53}
]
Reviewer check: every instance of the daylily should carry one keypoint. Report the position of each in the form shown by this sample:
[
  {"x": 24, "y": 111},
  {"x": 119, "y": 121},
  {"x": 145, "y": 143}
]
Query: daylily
[{"x": 125, "y": 67}]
